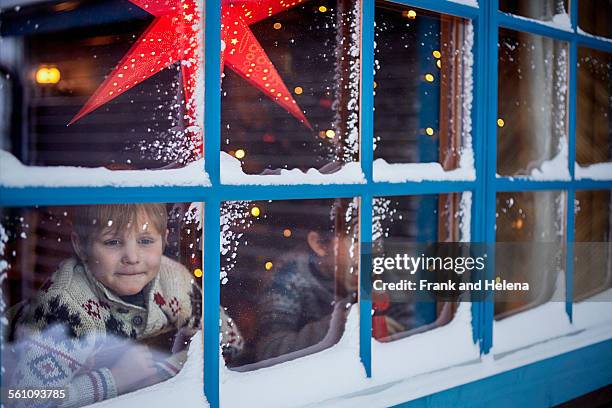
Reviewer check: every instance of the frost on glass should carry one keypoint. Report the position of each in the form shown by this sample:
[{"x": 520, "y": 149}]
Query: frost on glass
[
  {"x": 289, "y": 275},
  {"x": 594, "y": 107},
  {"x": 127, "y": 84},
  {"x": 593, "y": 243},
  {"x": 530, "y": 235},
  {"x": 406, "y": 220},
  {"x": 292, "y": 100},
  {"x": 423, "y": 68},
  {"x": 594, "y": 17},
  {"x": 545, "y": 10},
  {"x": 532, "y": 103},
  {"x": 97, "y": 300}
]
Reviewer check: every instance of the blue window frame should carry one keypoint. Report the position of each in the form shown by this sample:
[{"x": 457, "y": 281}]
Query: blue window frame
[{"x": 487, "y": 20}]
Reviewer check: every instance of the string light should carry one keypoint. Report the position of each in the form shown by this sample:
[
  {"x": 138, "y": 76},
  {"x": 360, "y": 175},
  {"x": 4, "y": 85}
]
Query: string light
[
  {"x": 429, "y": 131},
  {"x": 439, "y": 64},
  {"x": 268, "y": 265},
  {"x": 198, "y": 273},
  {"x": 298, "y": 90},
  {"x": 411, "y": 14},
  {"x": 255, "y": 211},
  {"x": 240, "y": 153},
  {"x": 429, "y": 77},
  {"x": 48, "y": 75},
  {"x": 375, "y": 84},
  {"x": 518, "y": 223},
  {"x": 500, "y": 122},
  {"x": 330, "y": 133},
  {"x": 277, "y": 26},
  {"x": 437, "y": 54},
  {"x": 322, "y": 9},
  {"x": 286, "y": 232}
]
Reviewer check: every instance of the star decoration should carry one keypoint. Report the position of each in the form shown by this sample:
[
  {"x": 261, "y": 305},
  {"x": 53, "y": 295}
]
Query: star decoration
[{"x": 174, "y": 36}]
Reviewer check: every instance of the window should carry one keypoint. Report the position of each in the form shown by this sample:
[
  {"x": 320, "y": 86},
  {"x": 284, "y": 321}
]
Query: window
[{"x": 330, "y": 125}]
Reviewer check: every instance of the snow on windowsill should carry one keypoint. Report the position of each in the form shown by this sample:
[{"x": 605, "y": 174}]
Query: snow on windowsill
[
  {"x": 471, "y": 3},
  {"x": 598, "y": 171},
  {"x": 555, "y": 169},
  {"x": 559, "y": 21},
  {"x": 14, "y": 174},
  {"x": 232, "y": 174},
  {"x": 597, "y": 37},
  {"x": 402, "y": 172}
]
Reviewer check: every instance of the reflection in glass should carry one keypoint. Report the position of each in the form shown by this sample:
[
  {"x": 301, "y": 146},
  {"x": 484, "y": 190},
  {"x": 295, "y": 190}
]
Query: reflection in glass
[
  {"x": 594, "y": 107},
  {"x": 532, "y": 101},
  {"x": 594, "y": 17},
  {"x": 56, "y": 56},
  {"x": 401, "y": 221},
  {"x": 592, "y": 251},
  {"x": 423, "y": 71},
  {"x": 99, "y": 300},
  {"x": 536, "y": 220},
  {"x": 314, "y": 48},
  {"x": 544, "y": 10},
  {"x": 289, "y": 275}
]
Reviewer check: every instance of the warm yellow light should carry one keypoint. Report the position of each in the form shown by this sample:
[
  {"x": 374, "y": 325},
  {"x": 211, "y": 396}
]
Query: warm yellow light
[
  {"x": 429, "y": 131},
  {"x": 322, "y": 9},
  {"x": 437, "y": 54},
  {"x": 517, "y": 224},
  {"x": 330, "y": 133},
  {"x": 48, "y": 75},
  {"x": 439, "y": 64},
  {"x": 277, "y": 26},
  {"x": 240, "y": 153},
  {"x": 286, "y": 232},
  {"x": 411, "y": 14},
  {"x": 198, "y": 273},
  {"x": 268, "y": 265},
  {"x": 500, "y": 122},
  {"x": 375, "y": 84},
  {"x": 298, "y": 90},
  {"x": 255, "y": 211},
  {"x": 429, "y": 77}
]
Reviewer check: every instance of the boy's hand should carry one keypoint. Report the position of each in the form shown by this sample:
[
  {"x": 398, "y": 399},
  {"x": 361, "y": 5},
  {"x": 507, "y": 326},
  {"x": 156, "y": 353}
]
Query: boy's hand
[{"x": 134, "y": 369}]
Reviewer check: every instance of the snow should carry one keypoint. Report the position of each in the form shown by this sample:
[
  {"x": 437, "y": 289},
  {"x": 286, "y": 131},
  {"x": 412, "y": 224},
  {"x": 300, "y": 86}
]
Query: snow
[
  {"x": 232, "y": 174},
  {"x": 471, "y": 3},
  {"x": 559, "y": 21},
  {"x": 598, "y": 171},
  {"x": 14, "y": 174},
  {"x": 597, "y": 37},
  {"x": 555, "y": 168},
  {"x": 402, "y": 172}
]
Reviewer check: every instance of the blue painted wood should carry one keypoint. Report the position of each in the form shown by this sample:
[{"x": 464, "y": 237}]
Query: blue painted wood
[
  {"x": 543, "y": 384},
  {"x": 441, "y": 6},
  {"x": 532, "y": 26},
  {"x": 592, "y": 42}
]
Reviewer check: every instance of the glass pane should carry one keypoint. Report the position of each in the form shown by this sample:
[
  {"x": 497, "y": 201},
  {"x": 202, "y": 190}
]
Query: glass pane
[
  {"x": 532, "y": 102},
  {"x": 594, "y": 17},
  {"x": 289, "y": 273},
  {"x": 397, "y": 223},
  {"x": 98, "y": 300},
  {"x": 101, "y": 84},
  {"x": 593, "y": 248},
  {"x": 530, "y": 233},
  {"x": 423, "y": 74},
  {"x": 544, "y": 10},
  {"x": 290, "y": 91},
  {"x": 594, "y": 107}
]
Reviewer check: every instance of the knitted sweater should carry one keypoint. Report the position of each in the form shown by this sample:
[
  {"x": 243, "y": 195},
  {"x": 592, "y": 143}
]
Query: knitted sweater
[{"x": 67, "y": 332}]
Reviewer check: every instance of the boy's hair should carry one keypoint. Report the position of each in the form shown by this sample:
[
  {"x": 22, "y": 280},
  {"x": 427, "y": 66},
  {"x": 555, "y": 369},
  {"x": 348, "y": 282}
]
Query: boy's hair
[{"x": 89, "y": 220}]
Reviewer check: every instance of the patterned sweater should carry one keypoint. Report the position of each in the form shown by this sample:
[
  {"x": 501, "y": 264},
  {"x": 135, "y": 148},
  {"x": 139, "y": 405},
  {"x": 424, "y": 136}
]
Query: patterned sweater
[{"x": 67, "y": 336}]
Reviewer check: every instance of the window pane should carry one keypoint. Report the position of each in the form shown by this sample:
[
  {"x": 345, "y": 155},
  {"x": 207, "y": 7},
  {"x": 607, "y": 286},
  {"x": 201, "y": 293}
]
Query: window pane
[
  {"x": 544, "y": 10},
  {"x": 98, "y": 300},
  {"x": 76, "y": 58},
  {"x": 594, "y": 17},
  {"x": 594, "y": 107},
  {"x": 592, "y": 251},
  {"x": 290, "y": 91},
  {"x": 289, "y": 273},
  {"x": 532, "y": 100},
  {"x": 530, "y": 233},
  {"x": 423, "y": 74},
  {"x": 399, "y": 222}
]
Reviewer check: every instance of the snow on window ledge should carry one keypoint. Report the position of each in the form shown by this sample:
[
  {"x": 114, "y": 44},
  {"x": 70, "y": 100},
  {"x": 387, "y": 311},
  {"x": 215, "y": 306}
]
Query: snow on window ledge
[
  {"x": 232, "y": 174},
  {"x": 402, "y": 172},
  {"x": 555, "y": 169},
  {"x": 598, "y": 171},
  {"x": 14, "y": 174},
  {"x": 471, "y": 3},
  {"x": 559, "y": 21},
  {"x": 596, "y": 37}
]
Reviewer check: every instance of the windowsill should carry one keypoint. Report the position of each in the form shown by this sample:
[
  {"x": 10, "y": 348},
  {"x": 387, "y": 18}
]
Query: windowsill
[
  {"x": 598, "y": 171},
  {"x": 14, "y": 174},
  {"x": 417, "y": 172}
]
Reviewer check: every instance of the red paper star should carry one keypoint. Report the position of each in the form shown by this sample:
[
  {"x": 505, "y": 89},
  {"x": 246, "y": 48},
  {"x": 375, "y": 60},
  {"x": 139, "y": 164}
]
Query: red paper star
[{"x": 174, "y": 36}]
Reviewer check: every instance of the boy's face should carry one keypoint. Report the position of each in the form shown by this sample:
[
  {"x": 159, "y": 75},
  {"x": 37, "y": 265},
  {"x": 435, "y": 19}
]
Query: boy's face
[{"x": 126, "y": 261}]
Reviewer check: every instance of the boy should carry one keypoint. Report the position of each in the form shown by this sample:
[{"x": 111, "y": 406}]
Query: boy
[{"x": 91, "y": 328}]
